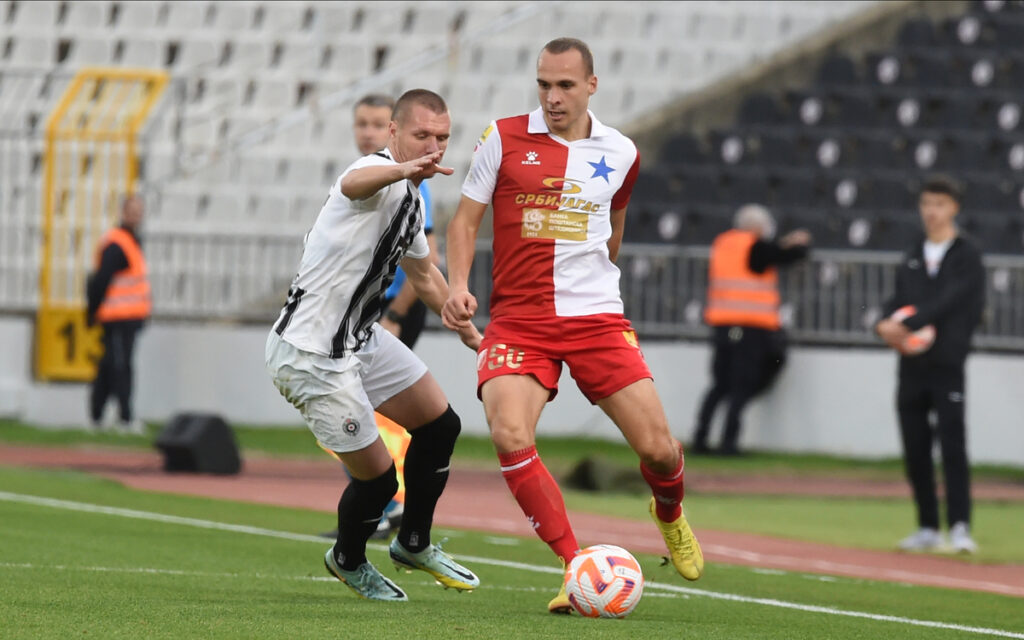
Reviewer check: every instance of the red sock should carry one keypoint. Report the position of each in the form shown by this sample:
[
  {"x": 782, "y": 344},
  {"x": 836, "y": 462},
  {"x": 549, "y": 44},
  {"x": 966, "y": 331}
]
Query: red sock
[
  {"x": 540, "y": 499},
  {"x": 667, "y": 489}
]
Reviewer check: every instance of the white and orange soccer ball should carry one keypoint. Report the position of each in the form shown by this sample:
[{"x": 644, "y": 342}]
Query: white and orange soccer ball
[
  {"x": 604, "y": 581},
  {"x": 919, "y": 341}
]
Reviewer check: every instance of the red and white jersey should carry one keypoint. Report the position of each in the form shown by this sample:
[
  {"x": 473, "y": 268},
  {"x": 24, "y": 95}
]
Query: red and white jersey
[{"x": 552, "y": 201}]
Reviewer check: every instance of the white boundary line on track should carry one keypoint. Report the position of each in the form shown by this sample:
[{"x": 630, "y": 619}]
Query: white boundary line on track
[{"x": 689, "y": 591}]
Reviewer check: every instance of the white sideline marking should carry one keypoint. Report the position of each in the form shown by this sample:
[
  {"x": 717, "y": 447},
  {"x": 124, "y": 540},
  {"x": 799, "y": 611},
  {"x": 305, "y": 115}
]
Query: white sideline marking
[{"x": 689, "y": 591}]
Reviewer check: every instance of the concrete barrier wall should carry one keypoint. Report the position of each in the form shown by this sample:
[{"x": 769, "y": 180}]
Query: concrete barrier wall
[{"x": 828, "y": 400}]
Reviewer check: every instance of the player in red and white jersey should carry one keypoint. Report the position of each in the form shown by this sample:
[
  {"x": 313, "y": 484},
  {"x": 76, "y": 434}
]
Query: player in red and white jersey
[{"x": 559, "y": 181}]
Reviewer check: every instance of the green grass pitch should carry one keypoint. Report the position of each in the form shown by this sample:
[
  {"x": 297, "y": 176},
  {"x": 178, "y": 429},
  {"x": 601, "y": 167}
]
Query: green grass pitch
[{"x": 162, "y": 566}]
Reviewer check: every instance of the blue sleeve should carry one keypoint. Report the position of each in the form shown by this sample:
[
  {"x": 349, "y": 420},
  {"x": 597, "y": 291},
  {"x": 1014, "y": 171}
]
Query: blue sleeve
[
  {"x": 396, "y": 286},
  {"x": 428, "y": 216}
]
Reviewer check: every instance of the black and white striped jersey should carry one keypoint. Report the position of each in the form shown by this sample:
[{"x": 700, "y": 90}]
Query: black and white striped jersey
[{"x": 348, "y": 261}]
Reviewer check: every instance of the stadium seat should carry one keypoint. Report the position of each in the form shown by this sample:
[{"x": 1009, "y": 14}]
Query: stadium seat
[
  {"x": 134, "y": 18},
  {"x": 82, "y": 17},
  {"x": 33, "y": 52},
  {"x": 283, "y": 17},
  {"x": 185, "y": 17},
  {"x": 759, "y": 109},
  {"x": 39, "y": 16},
  {"x": 917, "y": 32},
  {"x": 197, "y": 52},
  {"x": 136, "y": 52},
  {"x": 86, "y": 51},
  {"x": 837, "y": 70},
  {"x": 654, "y": 187},
  {"x": 232, "y": 17},
  {"x": 681, "y": 149}
]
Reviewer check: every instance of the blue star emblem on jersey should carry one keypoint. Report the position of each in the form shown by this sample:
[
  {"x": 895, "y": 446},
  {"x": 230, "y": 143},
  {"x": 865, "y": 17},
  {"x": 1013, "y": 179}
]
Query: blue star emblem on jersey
[{"x": 601, "y": 170}]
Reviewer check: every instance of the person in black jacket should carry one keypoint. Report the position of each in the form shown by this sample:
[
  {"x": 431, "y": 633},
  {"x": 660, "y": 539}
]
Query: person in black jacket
[{"x": 942, "y": 277}]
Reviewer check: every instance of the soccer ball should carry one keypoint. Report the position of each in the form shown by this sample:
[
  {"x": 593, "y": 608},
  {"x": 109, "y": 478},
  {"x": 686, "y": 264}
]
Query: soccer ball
[
  {"x": 919, "y": 341},
  {"x": 604, "y": 581}
]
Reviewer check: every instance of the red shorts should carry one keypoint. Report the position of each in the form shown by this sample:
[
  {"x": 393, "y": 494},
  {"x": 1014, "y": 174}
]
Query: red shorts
[{"x": 601, "y": 351}]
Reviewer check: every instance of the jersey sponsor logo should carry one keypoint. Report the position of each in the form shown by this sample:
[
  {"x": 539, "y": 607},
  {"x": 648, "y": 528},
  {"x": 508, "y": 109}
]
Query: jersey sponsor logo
[
  {"x": 562, "y": 185},
  {"x": 531, "y": 158},
  {"x": 501, "y": 355},
  {"x": 554, "y": 224}
]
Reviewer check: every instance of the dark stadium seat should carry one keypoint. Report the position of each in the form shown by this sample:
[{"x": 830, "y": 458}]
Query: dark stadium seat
[
  {"x": 856, "y": 109},
  {"x": 654, "y": 187},
  {"x": 742, "y": 186},
  {"x": 701, "y": 187},
  {"x": 759, "y": 109},
  {"x": 992, "y": 195},
  {"x": 957, "y": 111},
  {"x": 969, "y": 152},
  {"x": 917, "y": 32},
  {"x": 881, "y": 150},
  {"x": 837, "y": 70},
  {"x": 682, "y": 148},
  {"x": 797, "y": 189}
]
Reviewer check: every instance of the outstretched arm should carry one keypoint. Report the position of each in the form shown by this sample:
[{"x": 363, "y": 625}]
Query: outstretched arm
[{"x": 360, "y": 184}]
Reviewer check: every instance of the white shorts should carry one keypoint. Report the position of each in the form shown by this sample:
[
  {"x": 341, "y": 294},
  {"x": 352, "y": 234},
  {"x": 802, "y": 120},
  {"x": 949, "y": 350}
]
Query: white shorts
[{"x": 337, "y": 397}]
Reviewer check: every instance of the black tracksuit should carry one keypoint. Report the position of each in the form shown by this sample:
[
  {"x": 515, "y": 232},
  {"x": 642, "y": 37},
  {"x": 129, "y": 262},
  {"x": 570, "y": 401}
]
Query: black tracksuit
[
  {"x": 952, "y": 301},
  {"x": 114, "y": 371},
  {"x": 746, "y": 359}
]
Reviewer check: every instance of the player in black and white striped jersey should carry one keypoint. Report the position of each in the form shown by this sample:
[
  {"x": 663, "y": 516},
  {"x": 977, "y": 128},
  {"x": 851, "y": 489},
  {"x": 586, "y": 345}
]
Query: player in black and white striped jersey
[{"x": 330, "y": 358}]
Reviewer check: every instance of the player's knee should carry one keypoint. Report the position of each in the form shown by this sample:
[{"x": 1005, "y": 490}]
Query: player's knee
[
  {"x": 439, "y": 433},
  {"x": 510, "y": 436},
  {"x": 384, "y": 486},
  {"x": 661, "y": 455}
]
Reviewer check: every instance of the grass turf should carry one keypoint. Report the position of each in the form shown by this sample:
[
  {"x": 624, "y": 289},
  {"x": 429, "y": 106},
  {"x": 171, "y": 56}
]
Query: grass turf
[{"x": 68, "y": 573}]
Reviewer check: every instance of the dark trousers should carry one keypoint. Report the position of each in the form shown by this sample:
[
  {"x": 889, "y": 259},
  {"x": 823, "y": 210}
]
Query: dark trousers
[
  {"x": 114, "y": 372},
  {"x": 921, "y": 392},
  {"x": 413, "y": 323},
  {"x": 746, "y": 361}
]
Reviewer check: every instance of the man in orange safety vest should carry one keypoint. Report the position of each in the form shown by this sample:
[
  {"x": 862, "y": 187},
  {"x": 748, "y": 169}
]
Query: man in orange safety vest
[
  {"x": 743, "y": 312},
  {"x": 119, "y": 299}
]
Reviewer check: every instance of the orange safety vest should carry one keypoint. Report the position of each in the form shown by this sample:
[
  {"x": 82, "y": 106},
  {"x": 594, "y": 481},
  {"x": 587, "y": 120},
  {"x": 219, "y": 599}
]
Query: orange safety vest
[
  {"x": 128, "y": 296},
  {"x": 736, "y": 295}
]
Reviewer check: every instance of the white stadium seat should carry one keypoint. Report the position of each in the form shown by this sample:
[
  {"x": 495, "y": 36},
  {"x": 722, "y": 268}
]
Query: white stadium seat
[
  {"x": 35, "y": 52},
  {"x": 137, "y": 16},
  {"x": 186, "y": 16},
  {"x": 40, "y": 15},
  {"x": 274, "y": 96},
  {"x": 270, "y": 208},
  {"x": 257, "y": 169},
  {"x": 142, "y": 53},
  {"x": 232, "y": 17},
  {"x": 197, "y": 52},
  {"x": 282, "y": 16},
  {"x": 225, "y": 205},
  {"x": 89, "y": 51},
  {"x": 85, "y": 15}
]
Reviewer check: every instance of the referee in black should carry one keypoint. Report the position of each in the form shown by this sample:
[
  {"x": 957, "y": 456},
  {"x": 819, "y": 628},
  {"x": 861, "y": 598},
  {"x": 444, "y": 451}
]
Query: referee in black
[{"x": 943, "y": 279}]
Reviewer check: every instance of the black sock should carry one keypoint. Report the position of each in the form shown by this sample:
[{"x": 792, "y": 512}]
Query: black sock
[
  {"x": 359, "y": 510},
  {"x": 426, "y": 474}
]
